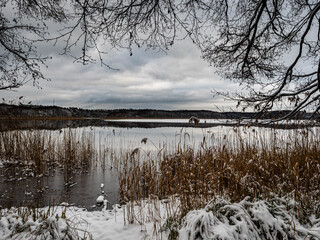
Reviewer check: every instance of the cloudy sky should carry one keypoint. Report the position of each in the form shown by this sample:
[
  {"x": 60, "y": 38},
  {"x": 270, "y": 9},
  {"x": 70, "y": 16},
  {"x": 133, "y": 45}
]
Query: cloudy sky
[{"x": 178, "y": 79}]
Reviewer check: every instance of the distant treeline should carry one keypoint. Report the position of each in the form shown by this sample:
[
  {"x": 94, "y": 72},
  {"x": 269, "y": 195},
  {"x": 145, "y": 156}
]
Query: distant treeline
[{"x": 11, "y": 111}]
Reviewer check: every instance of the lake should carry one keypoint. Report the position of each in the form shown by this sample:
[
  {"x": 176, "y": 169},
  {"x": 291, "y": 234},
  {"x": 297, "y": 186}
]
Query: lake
[{"x": 114, "y": 139}]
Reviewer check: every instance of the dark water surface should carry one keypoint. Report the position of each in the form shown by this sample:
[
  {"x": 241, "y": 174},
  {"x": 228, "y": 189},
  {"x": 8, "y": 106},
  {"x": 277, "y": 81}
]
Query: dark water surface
[{"x": 82, "y": 189}]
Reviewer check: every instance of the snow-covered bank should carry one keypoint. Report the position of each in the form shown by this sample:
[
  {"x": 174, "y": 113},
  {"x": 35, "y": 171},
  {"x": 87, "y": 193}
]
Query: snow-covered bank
[
  {"x": 79, "y": 224},
  {"x": 152, "y": 219},
  {"x": 141, "y": 220}
]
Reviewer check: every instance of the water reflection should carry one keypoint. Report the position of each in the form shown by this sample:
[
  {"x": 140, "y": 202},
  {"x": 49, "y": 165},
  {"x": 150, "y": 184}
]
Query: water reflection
[{"x": 52, "y": 189}]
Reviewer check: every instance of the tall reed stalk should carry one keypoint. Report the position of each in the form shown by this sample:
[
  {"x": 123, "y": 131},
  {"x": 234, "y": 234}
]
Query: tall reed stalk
[{"x": 251, "y": 163}]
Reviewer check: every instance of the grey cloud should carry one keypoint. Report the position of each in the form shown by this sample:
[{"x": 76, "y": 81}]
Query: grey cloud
[
  {"x": 178, "y": 79},
  {"x": 167, "y": 98},
  {"x": 148, "y": 79}
]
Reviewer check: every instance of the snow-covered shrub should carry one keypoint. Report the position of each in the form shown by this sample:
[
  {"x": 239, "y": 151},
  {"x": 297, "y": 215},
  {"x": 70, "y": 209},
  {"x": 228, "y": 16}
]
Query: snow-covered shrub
[
  {"x": 25, "y": 223},
  {"x": 260, "y": 220}
]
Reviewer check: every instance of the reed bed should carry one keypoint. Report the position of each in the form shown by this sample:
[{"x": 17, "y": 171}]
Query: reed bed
[
  {"x": 255, "y": 164},
  {"x": 36, "y": 152},
  {"x": 248, "y": 162}
]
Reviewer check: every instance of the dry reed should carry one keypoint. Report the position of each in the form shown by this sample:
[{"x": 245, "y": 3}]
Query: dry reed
[
  {"x": 40, "y": 151},
  {"x": 256, "y": 165}
]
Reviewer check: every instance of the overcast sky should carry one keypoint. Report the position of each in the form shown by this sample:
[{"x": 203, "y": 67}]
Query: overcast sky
[{"x": 179, "y": 79}]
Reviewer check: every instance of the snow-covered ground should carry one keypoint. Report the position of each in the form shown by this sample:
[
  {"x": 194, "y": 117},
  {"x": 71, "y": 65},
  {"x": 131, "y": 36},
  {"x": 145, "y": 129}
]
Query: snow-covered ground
[
  {"x": 130, "y": 222},
  {"x": 275, "y": 219}
]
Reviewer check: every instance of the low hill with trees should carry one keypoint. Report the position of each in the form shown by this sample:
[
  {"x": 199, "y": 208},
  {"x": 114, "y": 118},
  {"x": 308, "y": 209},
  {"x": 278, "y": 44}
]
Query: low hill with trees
[{"x": 34, "y": 111}]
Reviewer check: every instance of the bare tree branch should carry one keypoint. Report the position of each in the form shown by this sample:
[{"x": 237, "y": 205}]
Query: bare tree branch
[{"x": 270, "y": 47}]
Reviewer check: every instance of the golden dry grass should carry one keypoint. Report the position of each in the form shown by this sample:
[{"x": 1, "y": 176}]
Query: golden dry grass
[
  {"x": 43, "y": 150},
  {"x": 260, "y": 167}
]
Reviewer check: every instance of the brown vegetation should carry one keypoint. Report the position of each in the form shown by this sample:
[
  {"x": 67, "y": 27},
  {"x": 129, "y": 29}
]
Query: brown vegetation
[
  {"x": 260, "y": 166},
  {"x": 39, "y": 151}
]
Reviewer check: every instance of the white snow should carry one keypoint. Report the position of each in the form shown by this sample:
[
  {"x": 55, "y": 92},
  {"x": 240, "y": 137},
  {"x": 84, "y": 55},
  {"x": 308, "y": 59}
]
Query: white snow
[
  {"x": 128, "y": 222},
  {"x": 100, "y": 199},
  {"x": 258, "y": 220}
]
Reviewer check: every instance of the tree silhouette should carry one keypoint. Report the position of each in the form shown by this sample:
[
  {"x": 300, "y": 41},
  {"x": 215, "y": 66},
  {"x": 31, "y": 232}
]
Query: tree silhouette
[
  {"x": 22, "y": 24},
  {"x": 270, "y": 47}
]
